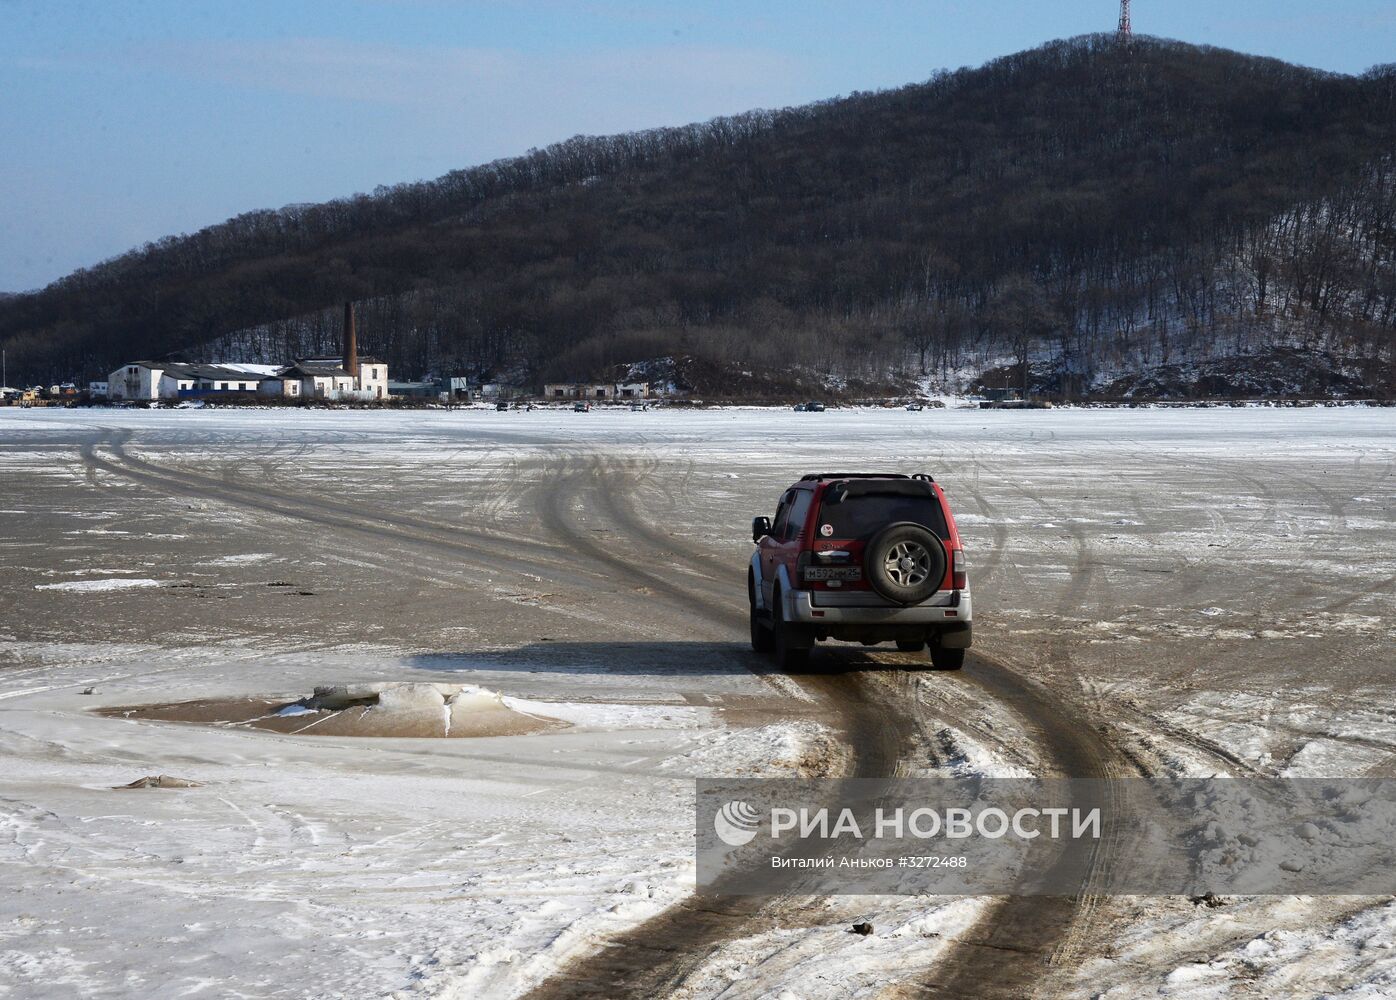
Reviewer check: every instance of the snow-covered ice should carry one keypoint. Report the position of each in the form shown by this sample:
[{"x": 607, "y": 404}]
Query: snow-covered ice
[
  {"x": 1215, "y": 585},
  {"x": 90, "y": 586}
]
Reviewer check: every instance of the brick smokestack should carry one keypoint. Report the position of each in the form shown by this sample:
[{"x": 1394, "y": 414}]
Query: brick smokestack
[{"x": 351, "y": 343}]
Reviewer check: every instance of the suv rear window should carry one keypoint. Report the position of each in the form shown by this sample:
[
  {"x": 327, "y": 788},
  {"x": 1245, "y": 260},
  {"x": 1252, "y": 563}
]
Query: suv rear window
[{"x": 862, "y": 516}]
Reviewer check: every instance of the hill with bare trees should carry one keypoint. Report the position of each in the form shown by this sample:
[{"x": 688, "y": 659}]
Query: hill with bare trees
[{"x": 1091, "y": 209}]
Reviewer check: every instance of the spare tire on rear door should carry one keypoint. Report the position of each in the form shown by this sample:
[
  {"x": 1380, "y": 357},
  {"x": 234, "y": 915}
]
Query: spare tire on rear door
[{"x": 905, "y": 563}]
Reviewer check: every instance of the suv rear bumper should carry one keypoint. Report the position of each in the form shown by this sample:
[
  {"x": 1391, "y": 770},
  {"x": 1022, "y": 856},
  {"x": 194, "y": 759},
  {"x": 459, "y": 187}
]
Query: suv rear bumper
[
  {"x": 942, "y": 619},
  {"x": 948, "y": 606}
]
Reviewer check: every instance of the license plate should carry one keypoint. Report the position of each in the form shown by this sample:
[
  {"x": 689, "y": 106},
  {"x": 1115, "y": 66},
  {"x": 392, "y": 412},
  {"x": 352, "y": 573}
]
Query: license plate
[{"x": 833, "y": 573}]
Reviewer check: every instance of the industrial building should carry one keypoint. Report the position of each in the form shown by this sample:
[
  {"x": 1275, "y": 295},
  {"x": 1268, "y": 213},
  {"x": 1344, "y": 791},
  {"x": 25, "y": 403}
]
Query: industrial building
[
  {"x": 344, "y": 378},
  {"x": 152, "y": 380},
  {"x": 596, "y": 390}
]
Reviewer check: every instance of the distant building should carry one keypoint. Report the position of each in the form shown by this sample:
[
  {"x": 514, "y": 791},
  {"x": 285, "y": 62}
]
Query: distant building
[
  {"x": 596, "y": 390},
  {"x": 138, "y": 380},
  {"x": 95, "y": 389},
  {"x": 346, "y": 377},
  {"x": 280, "y": 386},
  {"x": 313, "y": 380},
  {"x": 414, "y": 390},
  {"x": 1002, "y": 395},
  {"x": 371, "y": 379},
  {"x": 151, "y": 380}
]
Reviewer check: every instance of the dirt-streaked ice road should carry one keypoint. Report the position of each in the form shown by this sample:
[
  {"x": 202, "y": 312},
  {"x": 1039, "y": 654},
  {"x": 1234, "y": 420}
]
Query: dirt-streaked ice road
[{"x": 1166, "y": 592}]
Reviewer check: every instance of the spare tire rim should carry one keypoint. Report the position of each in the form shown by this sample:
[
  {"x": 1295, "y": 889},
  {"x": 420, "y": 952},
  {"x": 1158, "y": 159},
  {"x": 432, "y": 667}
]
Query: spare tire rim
[{"x": 908, "y": 564}]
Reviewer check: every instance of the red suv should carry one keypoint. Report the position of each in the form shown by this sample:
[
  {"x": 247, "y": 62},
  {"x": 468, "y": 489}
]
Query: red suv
[{"x": 863, "y": 558}]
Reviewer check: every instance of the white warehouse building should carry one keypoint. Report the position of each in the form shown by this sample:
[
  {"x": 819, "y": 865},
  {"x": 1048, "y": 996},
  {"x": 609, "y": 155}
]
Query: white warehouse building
[
  {"x": 314, "y": 378},
  {"x": 151, "y": 380},
  {"x": 331, "y": 375},
  {"x": 350, "y": 377}
]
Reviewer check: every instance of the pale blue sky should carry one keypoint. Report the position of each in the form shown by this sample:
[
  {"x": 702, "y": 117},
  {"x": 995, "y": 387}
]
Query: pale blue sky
[{"x": 126, "y": 121}]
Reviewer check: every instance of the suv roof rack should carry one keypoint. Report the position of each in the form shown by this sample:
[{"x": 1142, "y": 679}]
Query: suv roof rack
[{"x": 816, "y": 477}]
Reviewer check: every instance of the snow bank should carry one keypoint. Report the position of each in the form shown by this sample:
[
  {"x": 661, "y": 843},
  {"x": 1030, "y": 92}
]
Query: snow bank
[{"x": 89, "y": 586}]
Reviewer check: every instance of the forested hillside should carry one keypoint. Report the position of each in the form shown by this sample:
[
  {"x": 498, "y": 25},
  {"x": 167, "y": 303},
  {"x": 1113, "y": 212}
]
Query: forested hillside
[{"x": 1098, "y": 207}]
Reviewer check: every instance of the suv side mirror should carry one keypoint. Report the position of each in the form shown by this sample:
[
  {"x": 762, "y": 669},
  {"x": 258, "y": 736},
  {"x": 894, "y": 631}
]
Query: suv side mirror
[{"x": 760, "y": 528}]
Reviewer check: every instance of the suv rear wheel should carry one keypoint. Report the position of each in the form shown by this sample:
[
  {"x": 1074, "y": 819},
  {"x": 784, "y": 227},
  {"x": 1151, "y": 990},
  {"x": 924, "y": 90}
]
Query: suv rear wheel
[
  {"x": 947, "y": 659},
  {"x": 790, "y": 643}
]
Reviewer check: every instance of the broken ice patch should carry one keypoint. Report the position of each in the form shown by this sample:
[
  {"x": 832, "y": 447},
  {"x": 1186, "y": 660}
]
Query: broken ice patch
[{"x": 384, "y": 709}]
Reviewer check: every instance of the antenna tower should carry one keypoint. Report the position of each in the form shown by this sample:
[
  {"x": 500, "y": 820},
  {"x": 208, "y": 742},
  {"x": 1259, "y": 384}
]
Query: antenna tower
[{"x": 1126, "y": 29}]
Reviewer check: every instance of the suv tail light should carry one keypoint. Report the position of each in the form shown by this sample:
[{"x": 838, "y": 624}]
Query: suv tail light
[{"x": 958, "y": 578}]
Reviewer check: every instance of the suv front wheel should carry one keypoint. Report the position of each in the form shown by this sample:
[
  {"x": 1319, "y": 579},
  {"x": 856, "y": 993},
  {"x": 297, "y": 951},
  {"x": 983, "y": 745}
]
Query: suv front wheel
[
  {"x": 762, "y": 639},
  {"x": 790, "y": 643}
]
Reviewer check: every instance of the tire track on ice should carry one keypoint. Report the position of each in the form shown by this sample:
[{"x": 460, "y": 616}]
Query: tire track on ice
[{"x": 661, "y": 955}]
